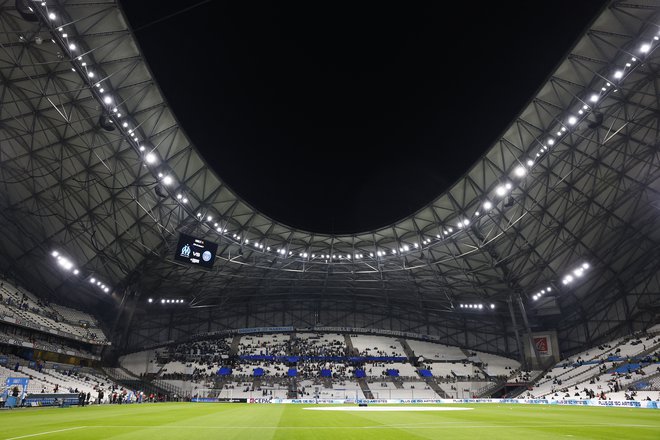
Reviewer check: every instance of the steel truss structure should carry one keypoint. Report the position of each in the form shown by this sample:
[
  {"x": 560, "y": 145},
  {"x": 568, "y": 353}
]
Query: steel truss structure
[{"x": 555, "y": 226}]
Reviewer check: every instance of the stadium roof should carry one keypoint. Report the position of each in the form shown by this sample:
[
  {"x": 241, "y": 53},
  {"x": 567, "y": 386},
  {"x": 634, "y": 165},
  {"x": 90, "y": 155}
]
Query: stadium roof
[
  {"x": 95, "y": 166},
  {"x": 346, "y": 118}
]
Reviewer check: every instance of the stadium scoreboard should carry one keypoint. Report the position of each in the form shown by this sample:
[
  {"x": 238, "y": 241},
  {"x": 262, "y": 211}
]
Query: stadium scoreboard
[{"x": 195, "y": 251}]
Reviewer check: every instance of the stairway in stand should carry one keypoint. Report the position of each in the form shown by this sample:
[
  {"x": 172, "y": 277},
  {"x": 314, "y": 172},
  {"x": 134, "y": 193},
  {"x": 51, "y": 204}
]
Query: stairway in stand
[
  {"x": 256, "y": 384},
  {"x": 412, "y": 357},
  {"x": 350, "y": 350},
  {"x": 431, "y": 382},
  {"x": 293, "y": 349},
  {"x": 292, "y": 391},
  {"x": 365, "y": 388},
  {"x": 468, "y": 355},
  {"x": 125, "y": 378},
  {"x": 233, "y": 350}
]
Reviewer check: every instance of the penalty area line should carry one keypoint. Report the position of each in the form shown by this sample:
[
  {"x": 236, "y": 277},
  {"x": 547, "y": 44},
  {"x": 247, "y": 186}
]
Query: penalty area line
[{"x": 45, "y": 433}]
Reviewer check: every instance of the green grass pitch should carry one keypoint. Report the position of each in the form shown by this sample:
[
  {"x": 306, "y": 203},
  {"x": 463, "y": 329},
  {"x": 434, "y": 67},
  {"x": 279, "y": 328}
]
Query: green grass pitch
[{"x": 182, "y": 421}]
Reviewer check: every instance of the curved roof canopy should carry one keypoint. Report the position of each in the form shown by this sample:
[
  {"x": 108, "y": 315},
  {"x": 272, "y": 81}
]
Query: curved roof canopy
[{"x": 94, "y": 166}]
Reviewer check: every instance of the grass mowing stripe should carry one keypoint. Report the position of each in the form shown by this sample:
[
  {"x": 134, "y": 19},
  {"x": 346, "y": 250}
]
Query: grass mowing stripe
[
  {"x": 414, "y": 426},
  {"x": 174, "y": 421},
  {"x": 46, "y": 432}
]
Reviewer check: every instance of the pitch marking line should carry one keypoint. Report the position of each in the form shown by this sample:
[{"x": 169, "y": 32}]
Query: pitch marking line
[
  {"x": 46, "y": 432},
  {"x": 448, "y": 425},
  {"x": 387, "y": 408},
  {"x": 412, "y": 426}
]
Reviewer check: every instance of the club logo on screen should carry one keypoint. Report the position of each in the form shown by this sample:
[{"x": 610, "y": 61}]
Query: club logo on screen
[
  {"x": 195, "y": 251},
  {"x": 185, "y": 251}
]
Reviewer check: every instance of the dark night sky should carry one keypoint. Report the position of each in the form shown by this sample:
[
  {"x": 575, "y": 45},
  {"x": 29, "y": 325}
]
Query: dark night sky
[{"x": 335, "y": 117}]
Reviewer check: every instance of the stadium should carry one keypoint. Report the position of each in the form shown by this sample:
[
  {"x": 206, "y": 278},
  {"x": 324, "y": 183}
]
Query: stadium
[{"x": 140, "y": 296}]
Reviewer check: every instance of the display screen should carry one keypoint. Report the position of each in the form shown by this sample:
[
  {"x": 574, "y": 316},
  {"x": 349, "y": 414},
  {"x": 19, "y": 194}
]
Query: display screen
[{"x": 195, "y": 251}]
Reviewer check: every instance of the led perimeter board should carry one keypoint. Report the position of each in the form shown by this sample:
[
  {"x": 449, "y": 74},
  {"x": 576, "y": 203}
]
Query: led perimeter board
[{"x": 195, "y": 251}]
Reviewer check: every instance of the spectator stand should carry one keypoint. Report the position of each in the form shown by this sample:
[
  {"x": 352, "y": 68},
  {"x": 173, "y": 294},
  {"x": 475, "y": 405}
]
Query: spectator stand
[{"x": 608, "y": 368}]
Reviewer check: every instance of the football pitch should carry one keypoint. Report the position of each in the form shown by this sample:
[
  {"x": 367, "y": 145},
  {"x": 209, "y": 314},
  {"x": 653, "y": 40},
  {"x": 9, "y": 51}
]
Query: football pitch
[{"x": 182, "y": 421}]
